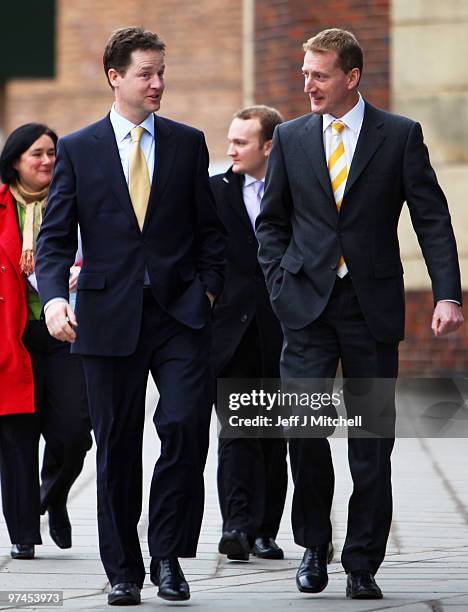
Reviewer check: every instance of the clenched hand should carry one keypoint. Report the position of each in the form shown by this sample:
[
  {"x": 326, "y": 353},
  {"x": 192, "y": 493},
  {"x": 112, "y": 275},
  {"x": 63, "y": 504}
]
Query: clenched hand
[
  {"x": 60, "y": 321},
  {"x": 447, "y": 318}
]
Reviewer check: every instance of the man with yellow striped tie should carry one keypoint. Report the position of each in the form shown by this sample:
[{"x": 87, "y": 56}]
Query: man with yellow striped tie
[{"x": 335, "y": 186}]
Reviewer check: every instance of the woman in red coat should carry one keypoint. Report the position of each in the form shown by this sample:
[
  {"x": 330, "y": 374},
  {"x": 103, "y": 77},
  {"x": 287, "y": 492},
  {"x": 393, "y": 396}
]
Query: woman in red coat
[{"x": 41, "y": 383}]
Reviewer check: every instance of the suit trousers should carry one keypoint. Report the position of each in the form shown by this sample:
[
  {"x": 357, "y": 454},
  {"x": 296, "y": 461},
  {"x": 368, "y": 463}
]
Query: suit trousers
[
  {"x": 62, "y": 418},
  {"x": 252, "y": 472},
  {"x": 341, "y": 333},
  {"x": 178, "y": 358}
]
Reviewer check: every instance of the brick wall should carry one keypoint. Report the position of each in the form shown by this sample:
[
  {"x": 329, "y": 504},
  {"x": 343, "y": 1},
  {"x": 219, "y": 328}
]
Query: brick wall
[
  {"x": 278, "y": 79},
  {"x": 421, "y": 354},
  {"x": 204, "y": 65}
]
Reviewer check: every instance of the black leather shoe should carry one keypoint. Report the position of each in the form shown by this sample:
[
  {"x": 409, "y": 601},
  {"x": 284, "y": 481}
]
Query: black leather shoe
[
  {"x": 267, "y": 548},
  {"x": 59, "y": 526},
  {"x": 124, "y": 594},
  {"x": 22, "y": 551},
  {"x": 169, "y": 577},
  {"x": 361, "y": 585},
  {"x": 312, "y": 576},
  {"x": 235, "y": 544}
]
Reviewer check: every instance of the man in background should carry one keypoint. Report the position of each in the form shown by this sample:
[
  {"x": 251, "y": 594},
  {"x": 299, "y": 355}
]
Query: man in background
[{"x": 247, "y": 341}]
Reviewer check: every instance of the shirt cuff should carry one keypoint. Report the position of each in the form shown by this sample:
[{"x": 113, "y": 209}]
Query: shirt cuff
[
  {"x": 454, "y": 301},
  {"x": 52, "y": 301}
]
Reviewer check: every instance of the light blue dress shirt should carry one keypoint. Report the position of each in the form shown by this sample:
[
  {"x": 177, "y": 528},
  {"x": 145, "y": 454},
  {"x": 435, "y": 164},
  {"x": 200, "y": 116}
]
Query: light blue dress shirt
[
  {"x": 122, "y": 128},
  {"x": 251, "y": 199}
]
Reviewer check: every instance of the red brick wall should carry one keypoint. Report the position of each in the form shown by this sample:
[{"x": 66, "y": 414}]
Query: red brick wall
[
  {"x": 281, "y": 26},
  {"x": 204, "y": 65},
  {"x": 421, "y": 354}
]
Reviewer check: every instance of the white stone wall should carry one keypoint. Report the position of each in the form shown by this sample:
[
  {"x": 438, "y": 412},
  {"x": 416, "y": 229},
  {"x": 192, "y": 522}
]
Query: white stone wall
[{"x": 429, "y": 80}]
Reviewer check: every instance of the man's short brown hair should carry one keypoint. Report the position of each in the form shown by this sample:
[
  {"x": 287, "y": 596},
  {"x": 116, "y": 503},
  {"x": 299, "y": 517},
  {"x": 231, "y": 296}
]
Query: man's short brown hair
[
  {"x": 344, "y": 43},
  {"x": 123, "y": 42},
  {"x": 268, "y": 116}
]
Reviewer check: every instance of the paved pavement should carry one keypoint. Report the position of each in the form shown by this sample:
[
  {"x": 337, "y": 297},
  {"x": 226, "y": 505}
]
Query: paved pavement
[{"x": 426, "y": 567}]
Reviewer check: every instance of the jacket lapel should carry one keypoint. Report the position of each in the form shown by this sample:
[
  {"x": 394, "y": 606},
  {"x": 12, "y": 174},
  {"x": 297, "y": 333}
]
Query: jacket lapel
[
  {"x": 164, "y": 157},
  {"x": 311, "y": 140},
  {"x": 370, "y": 139},
  {"x": 108, "y": 158},
  {"x": 235, "y": 197}
]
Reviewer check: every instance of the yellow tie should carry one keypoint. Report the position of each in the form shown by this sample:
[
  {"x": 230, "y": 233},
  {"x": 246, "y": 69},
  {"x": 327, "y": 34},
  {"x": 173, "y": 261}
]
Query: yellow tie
[
  {"x": 139, "y": 181},
  {"x": 338, "y": 169}
]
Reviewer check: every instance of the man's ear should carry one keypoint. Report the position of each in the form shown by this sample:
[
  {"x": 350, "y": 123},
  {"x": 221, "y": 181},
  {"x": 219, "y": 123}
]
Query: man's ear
[
  {"x": 113, "y": 75},
  {"x": 354, "y": 76},
  {"x": 267, "y": 147}
]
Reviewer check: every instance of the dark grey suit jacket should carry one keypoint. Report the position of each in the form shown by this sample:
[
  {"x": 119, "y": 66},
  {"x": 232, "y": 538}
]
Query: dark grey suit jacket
[{"x": 301, "y": 234}]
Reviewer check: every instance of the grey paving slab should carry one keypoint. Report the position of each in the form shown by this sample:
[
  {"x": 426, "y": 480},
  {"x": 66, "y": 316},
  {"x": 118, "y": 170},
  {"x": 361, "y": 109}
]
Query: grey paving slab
[{"x": 426, "y": 567}]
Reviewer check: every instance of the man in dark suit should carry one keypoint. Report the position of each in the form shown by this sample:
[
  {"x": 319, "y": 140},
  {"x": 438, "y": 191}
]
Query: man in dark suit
[
  {"x": 153, "y": 262},
  {"x": 336, "y": 183},
  {"x": 247, "y": 341}
]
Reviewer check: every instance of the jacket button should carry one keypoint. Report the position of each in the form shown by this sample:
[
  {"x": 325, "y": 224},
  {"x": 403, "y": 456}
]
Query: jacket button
[
  {"x": 3, "y": 269},
  {"x": 244, "y": 318},
  {"x": 333, "y": 267},
  {"x": 2, "y": 299}
]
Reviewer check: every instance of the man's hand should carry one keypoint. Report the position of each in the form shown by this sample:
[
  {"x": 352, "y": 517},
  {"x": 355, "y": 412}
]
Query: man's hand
[
  {"x": 447, "y": 318},
  {"x": 211, "y": 297},
  {"x": 73, "y": 281},
  {"x": 60, "y": 321}
]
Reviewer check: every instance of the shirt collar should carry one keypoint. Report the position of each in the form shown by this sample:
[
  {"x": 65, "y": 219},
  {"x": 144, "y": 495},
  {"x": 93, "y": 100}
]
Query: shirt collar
[
  {"x": 122, "y": 126},
  {"x": 352, "y": 119},
  {"x": 248, "y": 180}
]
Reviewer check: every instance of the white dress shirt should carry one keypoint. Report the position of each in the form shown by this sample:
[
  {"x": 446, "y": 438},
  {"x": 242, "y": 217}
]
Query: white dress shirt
[{"x": 353, "y": 123}]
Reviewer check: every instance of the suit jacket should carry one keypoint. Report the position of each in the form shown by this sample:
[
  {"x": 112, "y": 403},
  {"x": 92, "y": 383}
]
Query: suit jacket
[
  {"x": 16, "y": 375},
  {"x": 245, "y": 295},
  {"x": 181, "y": 244},
  {"x": 302, "y": 235}
]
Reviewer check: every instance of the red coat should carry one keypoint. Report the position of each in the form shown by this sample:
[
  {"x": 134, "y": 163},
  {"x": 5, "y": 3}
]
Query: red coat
[{"x": 16, "y": 376}]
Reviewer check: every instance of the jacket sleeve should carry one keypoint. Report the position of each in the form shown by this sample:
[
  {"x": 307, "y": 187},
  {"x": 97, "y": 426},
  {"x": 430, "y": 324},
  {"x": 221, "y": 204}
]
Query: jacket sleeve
[
  {"x": 430, "y": 218},
  {"x": 273, "y": 225},
  {"x": 210, "y": 233},
  {"x": 57, "y": 241}
]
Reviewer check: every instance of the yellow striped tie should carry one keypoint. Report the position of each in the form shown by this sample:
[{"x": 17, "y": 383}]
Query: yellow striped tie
[
  {"x": 139, "y": 182},
  {"x": 338, "y": 169}
]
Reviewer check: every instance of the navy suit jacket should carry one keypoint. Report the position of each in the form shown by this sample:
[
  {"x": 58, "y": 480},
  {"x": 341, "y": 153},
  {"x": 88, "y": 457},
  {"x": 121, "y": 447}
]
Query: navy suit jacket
[
  {"x": 245, "y": 296},
  {"x": 181, "y": 244},
  {"x": 301, "y": 234}
]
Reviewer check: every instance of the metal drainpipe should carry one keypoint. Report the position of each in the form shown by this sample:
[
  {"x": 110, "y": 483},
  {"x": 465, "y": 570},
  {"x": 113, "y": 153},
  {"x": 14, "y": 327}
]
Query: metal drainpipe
[{"x": 248, "y": 52}]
